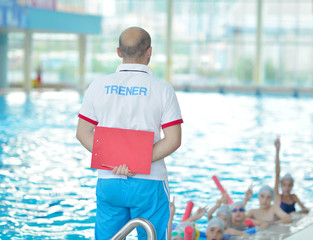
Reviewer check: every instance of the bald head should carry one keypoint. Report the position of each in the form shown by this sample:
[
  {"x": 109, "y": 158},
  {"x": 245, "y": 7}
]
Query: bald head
[{"x": 134, "y": 43}]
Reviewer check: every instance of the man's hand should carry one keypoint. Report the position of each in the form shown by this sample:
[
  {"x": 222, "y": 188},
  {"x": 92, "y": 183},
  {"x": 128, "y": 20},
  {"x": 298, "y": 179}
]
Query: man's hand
[{"x": 122, "y": 170}]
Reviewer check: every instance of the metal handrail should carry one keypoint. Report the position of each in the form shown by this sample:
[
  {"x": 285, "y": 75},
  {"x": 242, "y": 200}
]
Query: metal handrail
[{"x": 136, "y": 222}]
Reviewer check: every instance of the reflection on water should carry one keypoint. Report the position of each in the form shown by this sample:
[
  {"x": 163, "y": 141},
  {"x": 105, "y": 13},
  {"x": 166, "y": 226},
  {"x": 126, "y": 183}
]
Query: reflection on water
[{"x": 48, "y": 190}]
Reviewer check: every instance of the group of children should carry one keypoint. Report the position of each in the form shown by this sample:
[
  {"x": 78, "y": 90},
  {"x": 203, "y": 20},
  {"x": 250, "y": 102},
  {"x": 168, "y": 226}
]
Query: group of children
[{"x": 233, "y": 219}]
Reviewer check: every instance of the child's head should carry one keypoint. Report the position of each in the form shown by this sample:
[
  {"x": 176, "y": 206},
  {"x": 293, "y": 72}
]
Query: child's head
[
  {"x": 286, "y": 183},
  {"x": 266, "y": 195},
  {"x": 237, "y": 212},
  {"x": 223, "y": 213},
  {"x": 215, "y": 229},
  {"x": 179, "y": 232}
]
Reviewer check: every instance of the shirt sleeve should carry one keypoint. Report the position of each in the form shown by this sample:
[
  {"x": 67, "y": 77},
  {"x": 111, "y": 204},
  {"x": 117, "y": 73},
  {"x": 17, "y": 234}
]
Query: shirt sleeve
[
  {"x": 87, "y": 110},
  {"x": 172, "y": 114}
]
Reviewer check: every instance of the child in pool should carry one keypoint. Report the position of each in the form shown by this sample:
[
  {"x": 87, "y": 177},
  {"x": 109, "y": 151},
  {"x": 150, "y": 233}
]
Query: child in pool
[
  {"x": 178, "y": 232},
  {"x": 239, "y": 219},
  {"x": 286, "y": 200},
  {"x": 215, "y": 229},
  {"x": 238, "y": 213},
  {"x": 223, "y": 212},
  {"x": 267, "y": 212}
]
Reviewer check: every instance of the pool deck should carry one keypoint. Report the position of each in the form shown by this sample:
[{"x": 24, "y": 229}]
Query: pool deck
[
  {"x": 258, "y": 90},
  {"x": 306, "y": 233},
  {"x": 293, "y": 91},
  {"x": 300, "y": 228}
]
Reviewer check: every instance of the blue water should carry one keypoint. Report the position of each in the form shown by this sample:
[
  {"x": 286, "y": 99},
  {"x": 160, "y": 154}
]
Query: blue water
[{"x": 48, "y": 190}]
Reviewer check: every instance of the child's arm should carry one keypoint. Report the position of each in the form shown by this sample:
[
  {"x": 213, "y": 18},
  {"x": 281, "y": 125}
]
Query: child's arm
[
  {"x": 216, "y": 206},
  {"x": 248, "y": 195},
  {"x": 232, "y": 231},
  {"x": 250, "y": 214},
  {"x": 212, "y": 210},
  {"x": 277, "y": 167},
  {"x": 199, "y": 214},
  {"x": 170, "y": 221},
  {"x": 283, "y": 217},
  {"x": 304, "y": 209},
  {"x": 260, "y": 224}
]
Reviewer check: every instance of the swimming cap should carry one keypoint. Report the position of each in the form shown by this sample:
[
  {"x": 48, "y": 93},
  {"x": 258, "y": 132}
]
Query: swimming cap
[
  {"x": 267, "y": 189},
  {"x": 216, "y": 222},
  {"x": 224, "y": 210},
  {"x": 180, "y": 229},
  {"x": 287, "y": 176},
  {"x": 235, "y": 205}
]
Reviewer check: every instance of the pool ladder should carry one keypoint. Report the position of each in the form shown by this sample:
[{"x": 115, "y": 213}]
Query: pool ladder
[{"x": 136, "y": 222}]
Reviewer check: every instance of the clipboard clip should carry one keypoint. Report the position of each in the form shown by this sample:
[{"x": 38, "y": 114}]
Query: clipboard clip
[{"x": 104, "y": 165}]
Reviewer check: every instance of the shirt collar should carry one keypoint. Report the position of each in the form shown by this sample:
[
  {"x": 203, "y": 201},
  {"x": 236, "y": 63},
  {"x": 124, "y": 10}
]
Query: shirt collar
[{"x": 134, "y": 67}]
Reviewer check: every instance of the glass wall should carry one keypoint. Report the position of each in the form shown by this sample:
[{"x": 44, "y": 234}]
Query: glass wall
[
  {"x": 60, "y": 63},
  {"x": 118, "y": 15},
  {"x": 55, "y": 54},
  {"x": 288, "y": 43},
  {"x": 16, "y": 59},
  {"x": 214, "y": 42}
]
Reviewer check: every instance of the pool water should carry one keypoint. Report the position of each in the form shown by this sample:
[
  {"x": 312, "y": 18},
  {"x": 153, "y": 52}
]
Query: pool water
[{"x": 48, "y": 190}]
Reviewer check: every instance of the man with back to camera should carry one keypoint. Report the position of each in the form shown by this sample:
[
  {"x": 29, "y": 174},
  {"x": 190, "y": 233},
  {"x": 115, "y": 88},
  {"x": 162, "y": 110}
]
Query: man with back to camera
[{"x": 131, "y": 98}]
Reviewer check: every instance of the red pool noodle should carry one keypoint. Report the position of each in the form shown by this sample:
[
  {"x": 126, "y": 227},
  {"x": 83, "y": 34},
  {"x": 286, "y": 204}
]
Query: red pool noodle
[
  {"x": 220, "y": 187},
  {"x": 187, "y": 211},
  {"x": 188, "y": 233}
]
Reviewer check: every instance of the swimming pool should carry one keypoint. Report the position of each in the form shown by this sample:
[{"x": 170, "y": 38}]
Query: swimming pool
[{"x": 48, "y": 190}]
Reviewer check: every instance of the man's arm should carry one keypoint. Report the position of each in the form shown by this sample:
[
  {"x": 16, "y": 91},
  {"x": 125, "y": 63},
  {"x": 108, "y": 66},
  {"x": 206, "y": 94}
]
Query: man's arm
[
  {"x": 168, "y": 144},
  {"x": 84, "y": 133}
]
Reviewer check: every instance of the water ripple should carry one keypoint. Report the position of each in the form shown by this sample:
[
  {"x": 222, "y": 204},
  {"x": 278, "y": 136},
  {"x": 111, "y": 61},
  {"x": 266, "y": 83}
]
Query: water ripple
[{"x": 47, "y": 190}]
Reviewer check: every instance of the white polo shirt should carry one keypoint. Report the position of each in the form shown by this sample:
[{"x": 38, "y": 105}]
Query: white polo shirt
[{"x": 131, "y": 98}]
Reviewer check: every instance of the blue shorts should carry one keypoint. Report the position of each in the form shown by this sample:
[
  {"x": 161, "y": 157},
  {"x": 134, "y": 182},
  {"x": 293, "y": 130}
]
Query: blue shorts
[{"x": 119, "y": 200}]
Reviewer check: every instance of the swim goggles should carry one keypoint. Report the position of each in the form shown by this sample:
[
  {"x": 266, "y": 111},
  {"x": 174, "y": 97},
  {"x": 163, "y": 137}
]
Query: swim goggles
[
  {"x": 238, "y": 210},
  {"x": 175, "y": 233}
]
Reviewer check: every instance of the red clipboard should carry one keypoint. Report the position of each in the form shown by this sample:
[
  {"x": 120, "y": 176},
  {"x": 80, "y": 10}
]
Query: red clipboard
[{"x": 114, "y": 147}]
